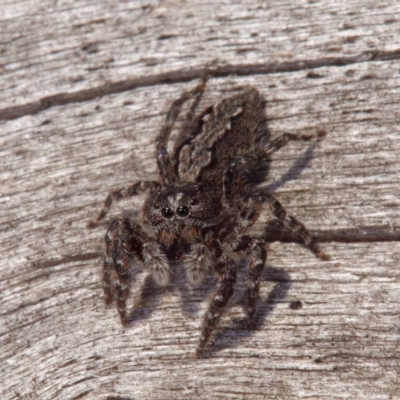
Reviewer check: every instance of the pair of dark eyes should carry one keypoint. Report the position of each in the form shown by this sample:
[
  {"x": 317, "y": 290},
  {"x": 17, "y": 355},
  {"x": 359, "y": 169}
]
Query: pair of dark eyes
[{"x": 181, "y": 211}]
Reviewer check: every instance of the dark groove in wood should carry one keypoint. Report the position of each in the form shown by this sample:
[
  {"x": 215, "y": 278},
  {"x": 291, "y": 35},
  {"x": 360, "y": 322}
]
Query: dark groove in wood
[
  {"x": 357, "y": 235},
  {"x": 66, "y": 260},
  {"x": 366, "y": 234},
  {"x": 181, "y": 76}
]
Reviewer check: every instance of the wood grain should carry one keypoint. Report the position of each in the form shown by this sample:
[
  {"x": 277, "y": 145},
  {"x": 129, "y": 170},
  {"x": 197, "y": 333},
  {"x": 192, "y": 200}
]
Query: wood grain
[
  {"x": 325, "y": 330},
  {"x": 63, "y": 52}
]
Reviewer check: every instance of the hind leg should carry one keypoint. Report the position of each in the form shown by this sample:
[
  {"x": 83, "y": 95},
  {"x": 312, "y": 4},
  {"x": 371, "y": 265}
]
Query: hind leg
[
  {"x": 165, "y": 166},
  {"x": 281, "y": 141},
  {"x": 252, "y": 209}
]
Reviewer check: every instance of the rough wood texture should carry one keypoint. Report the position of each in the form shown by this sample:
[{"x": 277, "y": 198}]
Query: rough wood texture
[{"x": 326, "y": 330}]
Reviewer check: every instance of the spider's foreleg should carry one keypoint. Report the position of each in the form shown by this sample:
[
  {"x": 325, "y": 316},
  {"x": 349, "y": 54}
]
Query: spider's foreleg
[
  {"x": 199, "y": 261},
  {"x": 226, "y": 270},
  {"x": 127, "y": 243},
  {"x": 133, "y": 190}
]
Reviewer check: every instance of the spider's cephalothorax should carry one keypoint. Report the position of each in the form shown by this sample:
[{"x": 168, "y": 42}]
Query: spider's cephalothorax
[{"x": 202, "y": 208}]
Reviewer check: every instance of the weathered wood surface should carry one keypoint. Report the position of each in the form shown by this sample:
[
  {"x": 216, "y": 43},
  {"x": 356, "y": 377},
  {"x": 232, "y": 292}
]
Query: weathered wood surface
[
  {"x": 59, "y": 52},
  {"x": 57, "y": 339}
]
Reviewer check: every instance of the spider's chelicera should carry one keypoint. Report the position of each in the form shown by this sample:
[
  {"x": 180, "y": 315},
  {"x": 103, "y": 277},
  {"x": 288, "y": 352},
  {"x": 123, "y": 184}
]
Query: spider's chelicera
[{"x": 203, "y": 206}]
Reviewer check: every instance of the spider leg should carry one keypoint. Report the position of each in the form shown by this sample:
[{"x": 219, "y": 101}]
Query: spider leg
[
  {"x": 116, "y": 260},
  {"x": 191, "y": 127},
  {"x": 246, "y": 171},
  {"x": 126, "y": 242},
  {"x": 200, "y": 259},
  {"x": 108, "y": 263},
  {"x": 165, "y": 167},
  {"x": 197, "y": 263},
  {"x": 133, "y": 190},
  {"x": 255, "y": 252},
  {"x": 251, "y": 211},
  {"x": 235, "y": 190},
  {"x": 226, "y": 270},
  {"x": 277, "y": 143},
  {"x": 255, "y": 266}
]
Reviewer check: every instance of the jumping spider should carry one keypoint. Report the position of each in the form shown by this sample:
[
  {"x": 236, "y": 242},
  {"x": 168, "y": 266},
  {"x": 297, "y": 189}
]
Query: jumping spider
[{"x": 203, "y": 206}]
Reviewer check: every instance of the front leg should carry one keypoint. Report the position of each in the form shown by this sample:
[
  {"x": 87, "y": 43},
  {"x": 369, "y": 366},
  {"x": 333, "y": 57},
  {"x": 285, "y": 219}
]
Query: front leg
[
  {"x": 133, "y": 190},
  {"x": 200, "y": 260},
  {"x": 126, "y": 243},
  {"x": 226, "y": 270},
  {"x": 197, "y": 263}
]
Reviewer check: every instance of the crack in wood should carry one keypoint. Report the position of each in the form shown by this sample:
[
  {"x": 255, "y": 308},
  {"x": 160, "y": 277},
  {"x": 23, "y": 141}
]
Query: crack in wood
[
  {"x": 367, "y": 234},
  {"x": 66, "y": 260},
  {"x": 180, "y": 76},
  {"x": 359, "y": 235},
  {"x": 356, "y": 235}
]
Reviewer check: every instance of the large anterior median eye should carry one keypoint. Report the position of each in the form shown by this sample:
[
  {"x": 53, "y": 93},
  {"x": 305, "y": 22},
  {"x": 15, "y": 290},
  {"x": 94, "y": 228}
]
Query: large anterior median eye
[
  {"x": 182, "y": 211},
  {"x": 167, "y": 212}
]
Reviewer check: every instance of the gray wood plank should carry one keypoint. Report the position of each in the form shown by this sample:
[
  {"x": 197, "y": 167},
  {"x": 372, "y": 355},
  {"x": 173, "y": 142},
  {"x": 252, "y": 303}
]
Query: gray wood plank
[
  {"x": 59, "y": 342},
  {"x": 325, "y": 330},
  {"x": 66, "y": 51},
  {"x": 60, "y": 164}
]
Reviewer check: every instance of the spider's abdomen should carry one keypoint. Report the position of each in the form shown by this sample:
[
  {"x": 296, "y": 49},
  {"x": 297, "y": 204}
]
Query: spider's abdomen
[{"x": 230, "y": 129}]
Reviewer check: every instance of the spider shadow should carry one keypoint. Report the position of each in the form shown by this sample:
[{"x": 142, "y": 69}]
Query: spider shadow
[
  {"x": 296, "y": 168},
  {"x": 147, "y": 298},
  {"x": 230, "y": 335},
  {"x": 193, "y": 296},
  {"x": 147, "y": 295}
]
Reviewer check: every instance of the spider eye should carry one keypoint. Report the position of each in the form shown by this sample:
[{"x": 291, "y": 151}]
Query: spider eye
[
  {"x": 157, "y": 206},
  {"x": 193, "y": 202},
  {"x": 182, "y": 211},
  {"x": 167, "y": 212}
]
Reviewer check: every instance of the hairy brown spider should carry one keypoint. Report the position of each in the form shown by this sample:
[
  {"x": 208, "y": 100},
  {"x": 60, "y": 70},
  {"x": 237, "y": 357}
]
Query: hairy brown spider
[{"x": 203, "y": 206}]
